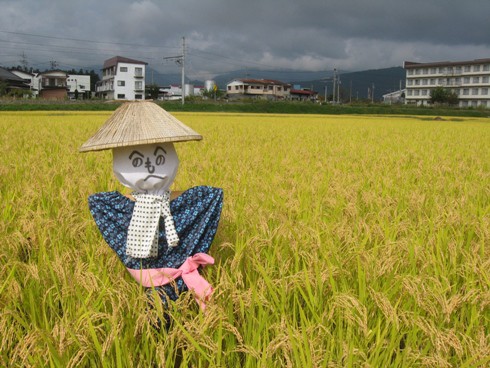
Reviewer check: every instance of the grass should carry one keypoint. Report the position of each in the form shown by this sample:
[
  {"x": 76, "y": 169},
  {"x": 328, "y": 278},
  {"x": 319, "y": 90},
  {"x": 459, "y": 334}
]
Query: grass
[{"x": 345, "y": 241}]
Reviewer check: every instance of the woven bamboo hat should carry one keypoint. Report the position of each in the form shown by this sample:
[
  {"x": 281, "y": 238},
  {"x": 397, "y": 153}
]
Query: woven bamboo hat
[{"x": 137, "y": 123}]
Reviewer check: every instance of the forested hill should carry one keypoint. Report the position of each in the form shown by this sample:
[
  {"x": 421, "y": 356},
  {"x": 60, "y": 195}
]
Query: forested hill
[{"x": 353, "y": 85}]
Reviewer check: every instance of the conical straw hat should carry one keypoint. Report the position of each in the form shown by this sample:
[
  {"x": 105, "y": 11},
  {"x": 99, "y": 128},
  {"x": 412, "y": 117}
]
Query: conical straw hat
[{"x": 137, "y": 123}]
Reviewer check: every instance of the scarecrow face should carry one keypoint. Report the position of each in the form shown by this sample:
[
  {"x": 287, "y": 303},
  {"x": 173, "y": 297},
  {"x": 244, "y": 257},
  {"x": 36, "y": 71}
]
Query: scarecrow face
[{"x": 148, "y": 168}]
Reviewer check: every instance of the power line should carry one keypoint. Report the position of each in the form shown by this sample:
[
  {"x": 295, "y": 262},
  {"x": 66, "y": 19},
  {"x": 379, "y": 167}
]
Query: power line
[{"x": 84, "y": 40}]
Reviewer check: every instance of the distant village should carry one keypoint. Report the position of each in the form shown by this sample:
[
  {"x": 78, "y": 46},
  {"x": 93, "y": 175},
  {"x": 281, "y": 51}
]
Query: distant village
[{"x": 124, "y": 79}]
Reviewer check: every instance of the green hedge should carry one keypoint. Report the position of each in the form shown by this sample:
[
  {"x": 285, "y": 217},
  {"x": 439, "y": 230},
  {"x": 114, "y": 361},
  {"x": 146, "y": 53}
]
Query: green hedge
[{"x": 249, "y": 107}]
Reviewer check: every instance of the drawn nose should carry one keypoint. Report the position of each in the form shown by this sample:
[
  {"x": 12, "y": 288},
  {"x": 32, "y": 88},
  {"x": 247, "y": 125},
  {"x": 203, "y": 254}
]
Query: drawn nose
[{"x": 149, "y": 166}]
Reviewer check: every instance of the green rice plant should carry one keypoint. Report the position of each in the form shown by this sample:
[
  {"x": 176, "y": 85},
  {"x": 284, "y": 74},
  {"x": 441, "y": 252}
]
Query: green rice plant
[{"x": 345, "y": 241}]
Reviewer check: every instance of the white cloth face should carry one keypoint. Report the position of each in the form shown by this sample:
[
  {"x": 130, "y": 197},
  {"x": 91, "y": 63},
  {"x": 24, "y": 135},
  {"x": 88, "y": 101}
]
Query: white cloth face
[{"x": 149, "y": 169}]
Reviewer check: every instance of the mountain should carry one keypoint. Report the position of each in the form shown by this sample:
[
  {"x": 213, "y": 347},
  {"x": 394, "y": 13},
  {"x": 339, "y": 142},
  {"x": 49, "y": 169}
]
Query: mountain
[{"x": 353, "y": 85}]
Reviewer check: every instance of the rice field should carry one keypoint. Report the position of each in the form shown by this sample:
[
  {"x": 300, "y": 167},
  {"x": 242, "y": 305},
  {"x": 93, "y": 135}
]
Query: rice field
[{"x": 345, "y": 241}]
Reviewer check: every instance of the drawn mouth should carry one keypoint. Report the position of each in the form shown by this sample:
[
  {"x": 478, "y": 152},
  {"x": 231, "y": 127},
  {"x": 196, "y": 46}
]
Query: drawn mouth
[{"x": 154, "y": 176}]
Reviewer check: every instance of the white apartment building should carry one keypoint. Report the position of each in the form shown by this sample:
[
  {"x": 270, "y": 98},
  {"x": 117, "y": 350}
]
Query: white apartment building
[
  {"x": 122, "y": 79},
  {"x": 470, "y": 80}
]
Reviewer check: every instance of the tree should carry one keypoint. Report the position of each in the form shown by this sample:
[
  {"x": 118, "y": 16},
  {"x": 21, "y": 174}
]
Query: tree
[
  {"x": 441, "y": 95},
  {"x": 152, "y": 91},
  {"x": 94, "y": 78},
  {"x": 3, "y": 87}
]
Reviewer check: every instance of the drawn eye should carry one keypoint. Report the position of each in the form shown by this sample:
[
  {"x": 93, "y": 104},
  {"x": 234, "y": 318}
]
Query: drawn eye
[
  {"x": 160, "y": 160},
  {"x": 137, "y": 161}
]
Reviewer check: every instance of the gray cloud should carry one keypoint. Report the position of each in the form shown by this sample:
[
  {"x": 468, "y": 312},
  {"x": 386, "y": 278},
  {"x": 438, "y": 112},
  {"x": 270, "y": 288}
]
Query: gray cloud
[{"x": 226, "y": 35}]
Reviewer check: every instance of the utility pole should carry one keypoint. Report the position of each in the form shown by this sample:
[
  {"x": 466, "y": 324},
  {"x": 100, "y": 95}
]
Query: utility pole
[
  {"x": 338, "y": 89},
  {"x": 350, "y": 92},
  {"x": 372, "y": 93},
  {"x": 180, "y": 60},
  {"x": 23, "y": 61},
  {"x": 183, "y": 70}
]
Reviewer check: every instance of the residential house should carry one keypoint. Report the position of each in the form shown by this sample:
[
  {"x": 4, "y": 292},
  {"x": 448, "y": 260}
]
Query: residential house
[
  {"x": 12, "y": 81},
  {"x": 395, "y": 97},
  {"x": 303, "y": 94},
  {"x": 469, "y": 80},
  {"x": 53, "y": 85},
  {"x": 122, "y": 79},
  {"x": 174, "y": 92},
  {"x": 32, "y": 80},
  {"x": 80, "y": 83},
  {"x": 258, "y": 88}
]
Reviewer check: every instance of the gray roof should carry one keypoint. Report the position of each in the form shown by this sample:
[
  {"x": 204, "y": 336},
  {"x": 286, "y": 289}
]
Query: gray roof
[
  {"x": 120, "y": 59},
  {"x": 6, "y": 75}
]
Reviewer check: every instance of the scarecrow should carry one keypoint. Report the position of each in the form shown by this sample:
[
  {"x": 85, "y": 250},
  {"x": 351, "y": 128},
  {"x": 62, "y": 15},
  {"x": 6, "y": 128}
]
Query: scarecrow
[{"x": 162, "y": 238}]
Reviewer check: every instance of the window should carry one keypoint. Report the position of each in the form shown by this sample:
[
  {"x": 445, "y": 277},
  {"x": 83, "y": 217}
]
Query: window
[
  {"x": 123, "y": 69},
  {"x": 466, "y": 80},
  {"x": 467, "y": 68},
  {"x": 432, "y": 81},
  {"x": 409, "y": 92},
  {"x": 476, "y": 68},
  {"x": 474, "y": 103},
  {"x": 416, "y": 92},
  {"x": 466, "y": 91},
  {"x": 484, "y": 91},
  {"x": 476, "y": 79},
  {"x": 138, "y": 97},
  {"x": 409, "y": 82},
  {"x": 425, "y": 71},
  {"x": 121, "y": 95},
  {"x": 138, "y": 85},
  {"x": 229, "y": 88},
  {"x": 474, "y": 91},
  {"x": 121, "y": 83},
  {"x": 458, "y": 70},
  {"x": 237, "y": 88},
  {"x": 432, "y": 70},
  {"x": 484, "y": 79},
  {"x": 486, "y": 67},
  {"x": 424, "y": 82},
  {"x": 483, "y": 103},
  {"x": 410, "y": 71},
  {"x": 138, "y": 72},
  {"x": 424, "y": 92}
]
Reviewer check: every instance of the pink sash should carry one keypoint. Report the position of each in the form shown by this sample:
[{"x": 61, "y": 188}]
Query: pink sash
[{"x": 188, "y": 271}]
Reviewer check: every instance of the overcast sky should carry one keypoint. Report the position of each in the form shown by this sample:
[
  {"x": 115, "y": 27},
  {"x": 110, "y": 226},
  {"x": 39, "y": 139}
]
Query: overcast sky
[{"x": 225, "y": 35}]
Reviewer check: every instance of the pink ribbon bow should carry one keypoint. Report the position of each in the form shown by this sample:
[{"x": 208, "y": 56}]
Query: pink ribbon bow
[{"x": 188, "y": 271}]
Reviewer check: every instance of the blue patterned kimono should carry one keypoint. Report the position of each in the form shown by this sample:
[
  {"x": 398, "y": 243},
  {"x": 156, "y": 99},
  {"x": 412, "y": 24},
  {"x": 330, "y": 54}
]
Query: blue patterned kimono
[{"x": 196, "y": 214}]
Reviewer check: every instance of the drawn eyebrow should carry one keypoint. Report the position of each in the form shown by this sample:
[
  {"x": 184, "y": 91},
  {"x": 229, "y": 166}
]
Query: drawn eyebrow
[
  {"x": 156, "y": 150},
  {"x": 135, "y": 153}
]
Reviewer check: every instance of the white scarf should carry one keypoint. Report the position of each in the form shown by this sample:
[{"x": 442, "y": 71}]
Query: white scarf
[{"x": 142, "y": 240}]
